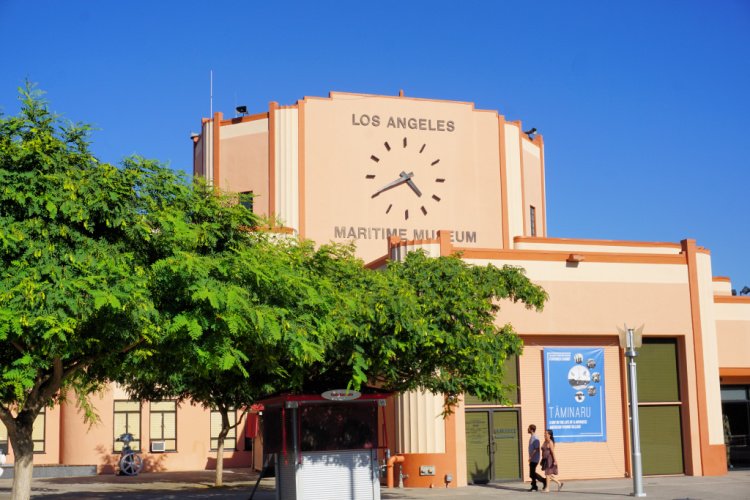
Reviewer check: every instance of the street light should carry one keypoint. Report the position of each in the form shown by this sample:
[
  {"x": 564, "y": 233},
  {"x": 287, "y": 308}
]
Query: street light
[{"x": 629, "y": 340}]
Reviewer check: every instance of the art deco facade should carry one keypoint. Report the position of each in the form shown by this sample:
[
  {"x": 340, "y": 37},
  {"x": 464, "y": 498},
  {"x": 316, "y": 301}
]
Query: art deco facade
[{"x": 394, "y": 174}]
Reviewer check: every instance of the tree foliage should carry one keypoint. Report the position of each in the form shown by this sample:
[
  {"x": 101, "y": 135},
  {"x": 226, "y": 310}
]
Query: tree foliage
[
  {"x": 423, "y": 323},
  {"x": 78, "y": 240},
  {"x": 132, "y": 274}
]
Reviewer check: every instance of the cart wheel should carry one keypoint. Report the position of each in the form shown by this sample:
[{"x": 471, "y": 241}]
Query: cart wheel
[{"x": 131, "y": 464}]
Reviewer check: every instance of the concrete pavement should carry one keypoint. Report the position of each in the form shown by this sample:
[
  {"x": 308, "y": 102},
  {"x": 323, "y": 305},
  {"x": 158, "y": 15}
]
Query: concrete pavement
[{"x": 239, "y": 483}]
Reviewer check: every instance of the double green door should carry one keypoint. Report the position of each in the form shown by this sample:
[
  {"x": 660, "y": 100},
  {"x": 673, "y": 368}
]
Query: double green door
[{"x": 493, "y": 448}]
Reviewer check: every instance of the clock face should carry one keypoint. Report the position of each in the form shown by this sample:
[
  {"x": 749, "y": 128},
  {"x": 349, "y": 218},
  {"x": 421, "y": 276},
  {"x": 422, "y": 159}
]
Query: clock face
[{"x": 410, "y": 167}]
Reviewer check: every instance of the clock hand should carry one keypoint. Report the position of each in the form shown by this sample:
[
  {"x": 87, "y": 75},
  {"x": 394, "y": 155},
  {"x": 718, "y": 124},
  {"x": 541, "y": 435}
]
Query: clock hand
[
  {"x": 413, "y": 187},
  {"x": 402, "y": 178}
]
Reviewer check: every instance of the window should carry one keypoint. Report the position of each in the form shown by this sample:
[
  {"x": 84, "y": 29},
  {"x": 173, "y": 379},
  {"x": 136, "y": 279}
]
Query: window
[
  {"x": 532, "y": 220},
  {"x": 230, "y": 442},
  {"x": 3, "y": 438},
  {"x": 37, "y": 433},
  {"x": 127, "y": 419},
  {"x": 510, "y": 378},
  {"x": 246, "y": 199},
  {"x": 164, "y": 424}
]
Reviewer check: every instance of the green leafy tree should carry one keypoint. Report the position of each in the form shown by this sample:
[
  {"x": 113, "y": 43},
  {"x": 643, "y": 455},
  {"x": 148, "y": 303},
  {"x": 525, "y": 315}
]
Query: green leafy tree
[
  {"x": 77, "y": 241},
  {"x": 424, "y": 323},
  {"x": 242, "y": 323},
  {"x": 274, "y": 315}
]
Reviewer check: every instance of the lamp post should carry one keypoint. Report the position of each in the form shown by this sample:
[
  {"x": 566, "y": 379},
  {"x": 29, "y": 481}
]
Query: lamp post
[{"x": 629, "y": 340}]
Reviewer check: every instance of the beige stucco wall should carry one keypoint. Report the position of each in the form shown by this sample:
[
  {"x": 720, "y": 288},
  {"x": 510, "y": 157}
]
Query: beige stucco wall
[
  {"x": 722, "y": 287},
  {"x": 602, "y": 246},
  {"x": 513, "y": 174},
  {"x": 710, "y": 349},
  {"x": 207, "y": 150},
  {"x": 420, "y": 427},
  {"x": 457, "y": 172},
  {"x": 286, "y": 167},
  {"x": 532, "y": 187},
  {"x": 587, "y": 302},
  {"x": 84, "y": 445},
  {"x": 592, "y": 298},
  {"x": 244, "y": 161},
  {"x": 733, "y": 334}
]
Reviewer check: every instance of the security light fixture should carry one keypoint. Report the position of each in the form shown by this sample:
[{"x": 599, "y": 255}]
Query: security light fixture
[
  {"x": 241, "y": 110},
  {"x": 530, "y": 133},
  {"x": 745, "y": 291}
]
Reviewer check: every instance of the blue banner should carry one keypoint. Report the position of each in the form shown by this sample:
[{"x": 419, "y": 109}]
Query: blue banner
[{"x": 574, "y": 386}]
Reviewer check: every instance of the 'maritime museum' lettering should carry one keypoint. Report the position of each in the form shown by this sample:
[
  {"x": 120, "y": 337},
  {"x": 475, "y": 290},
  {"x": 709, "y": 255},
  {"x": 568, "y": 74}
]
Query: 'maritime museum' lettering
[{"x": 383, "y": 233}]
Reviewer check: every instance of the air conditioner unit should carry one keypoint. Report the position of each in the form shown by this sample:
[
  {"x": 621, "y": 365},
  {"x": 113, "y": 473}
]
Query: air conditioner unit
[{"x": 158, "y": 446}]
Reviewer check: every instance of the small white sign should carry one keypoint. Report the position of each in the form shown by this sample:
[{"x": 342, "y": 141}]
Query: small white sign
[{"x": 341, "y": 395}]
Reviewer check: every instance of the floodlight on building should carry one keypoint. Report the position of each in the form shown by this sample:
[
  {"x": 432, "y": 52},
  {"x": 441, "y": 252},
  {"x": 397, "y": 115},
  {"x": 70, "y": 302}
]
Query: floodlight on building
[
  {"x": 575, "y": 258},
  {"x": 745, "y": 291},
  {"x": 530, "y": 133},
  {"x": 241, "y": 110}
]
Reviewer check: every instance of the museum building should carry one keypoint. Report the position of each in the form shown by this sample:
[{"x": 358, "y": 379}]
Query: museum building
[{"x": 395, "y": 174}]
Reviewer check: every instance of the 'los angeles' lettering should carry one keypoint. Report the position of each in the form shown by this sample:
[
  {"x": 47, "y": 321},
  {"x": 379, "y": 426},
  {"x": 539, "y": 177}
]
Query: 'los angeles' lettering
[{"x": 428, "y": 124}]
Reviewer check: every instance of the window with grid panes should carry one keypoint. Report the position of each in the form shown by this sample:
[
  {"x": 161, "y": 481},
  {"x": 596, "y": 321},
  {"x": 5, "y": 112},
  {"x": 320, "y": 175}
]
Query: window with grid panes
[
  {"x": 230, "y": 442},
  {"x": 127, "y": 417},
  {"x": 532, "y": 220},
  {"x": 163, "y": 422},
  {"x": 38, "y": 431},
  {"x": 3, "y": 438}
]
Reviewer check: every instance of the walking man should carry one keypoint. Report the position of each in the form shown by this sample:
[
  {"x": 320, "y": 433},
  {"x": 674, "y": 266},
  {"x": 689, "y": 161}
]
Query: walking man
[{"x": 534, "y": 457}]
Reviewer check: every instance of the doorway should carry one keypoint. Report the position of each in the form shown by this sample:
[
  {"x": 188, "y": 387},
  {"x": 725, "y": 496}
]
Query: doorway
[
  {"x": 493, "y": 447},
  {"x": 735, "y": 404}
]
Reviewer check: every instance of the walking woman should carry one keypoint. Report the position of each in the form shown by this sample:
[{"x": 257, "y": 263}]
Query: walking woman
[{"x": 549, "y": 460}]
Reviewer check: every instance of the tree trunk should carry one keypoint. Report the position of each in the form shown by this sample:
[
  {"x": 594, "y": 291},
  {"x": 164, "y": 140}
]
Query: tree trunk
[
  {"x": 23, "y": 452},
  {"x": 219, "y": 480}
]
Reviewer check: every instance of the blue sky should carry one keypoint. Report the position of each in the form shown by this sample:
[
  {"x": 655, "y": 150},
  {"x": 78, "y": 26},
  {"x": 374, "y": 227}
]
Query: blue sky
[{"x": 643, "y": 105}]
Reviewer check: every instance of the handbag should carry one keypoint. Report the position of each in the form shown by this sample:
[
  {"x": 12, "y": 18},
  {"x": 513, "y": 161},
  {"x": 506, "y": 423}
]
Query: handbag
[{"x": 544, "y": 463}]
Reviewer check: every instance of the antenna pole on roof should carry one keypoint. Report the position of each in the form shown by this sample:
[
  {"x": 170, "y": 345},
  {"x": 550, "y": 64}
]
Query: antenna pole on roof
[{"x": 211, "y": 95}]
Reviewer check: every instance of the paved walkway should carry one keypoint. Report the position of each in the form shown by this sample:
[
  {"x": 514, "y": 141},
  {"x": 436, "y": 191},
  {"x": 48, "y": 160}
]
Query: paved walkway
[{"x": 239, "y": 483}]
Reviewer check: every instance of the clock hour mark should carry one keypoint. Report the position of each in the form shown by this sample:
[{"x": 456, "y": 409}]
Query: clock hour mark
[
  {"x": 435, "y": 197},
  {"x": 387, "y": 146},
  {"x": 374, "y": 158},
  {"x": 370, "y": 176},
  {"x": 424, "y": 210},
  {"x": 404, "y": 141},
  {"x": 389, "y": 208},
  {"x": 435, "y": 162},
  {"x": 439, "y": 179},
  {"x": 422, "y": 149},
  {"x": 406, "y": 214}
]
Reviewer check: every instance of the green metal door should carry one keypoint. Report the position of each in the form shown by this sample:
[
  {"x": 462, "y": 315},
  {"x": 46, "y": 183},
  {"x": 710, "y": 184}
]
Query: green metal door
[
  {"x": 507, "y": 453},
  {"x": 492, "y": 446},
  {"x": 478, "y": 447},
  {"x": 659, "y": 407}
]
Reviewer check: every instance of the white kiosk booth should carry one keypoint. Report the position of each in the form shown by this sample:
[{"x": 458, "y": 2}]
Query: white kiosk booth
[{"x": 325, "y": 446}]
